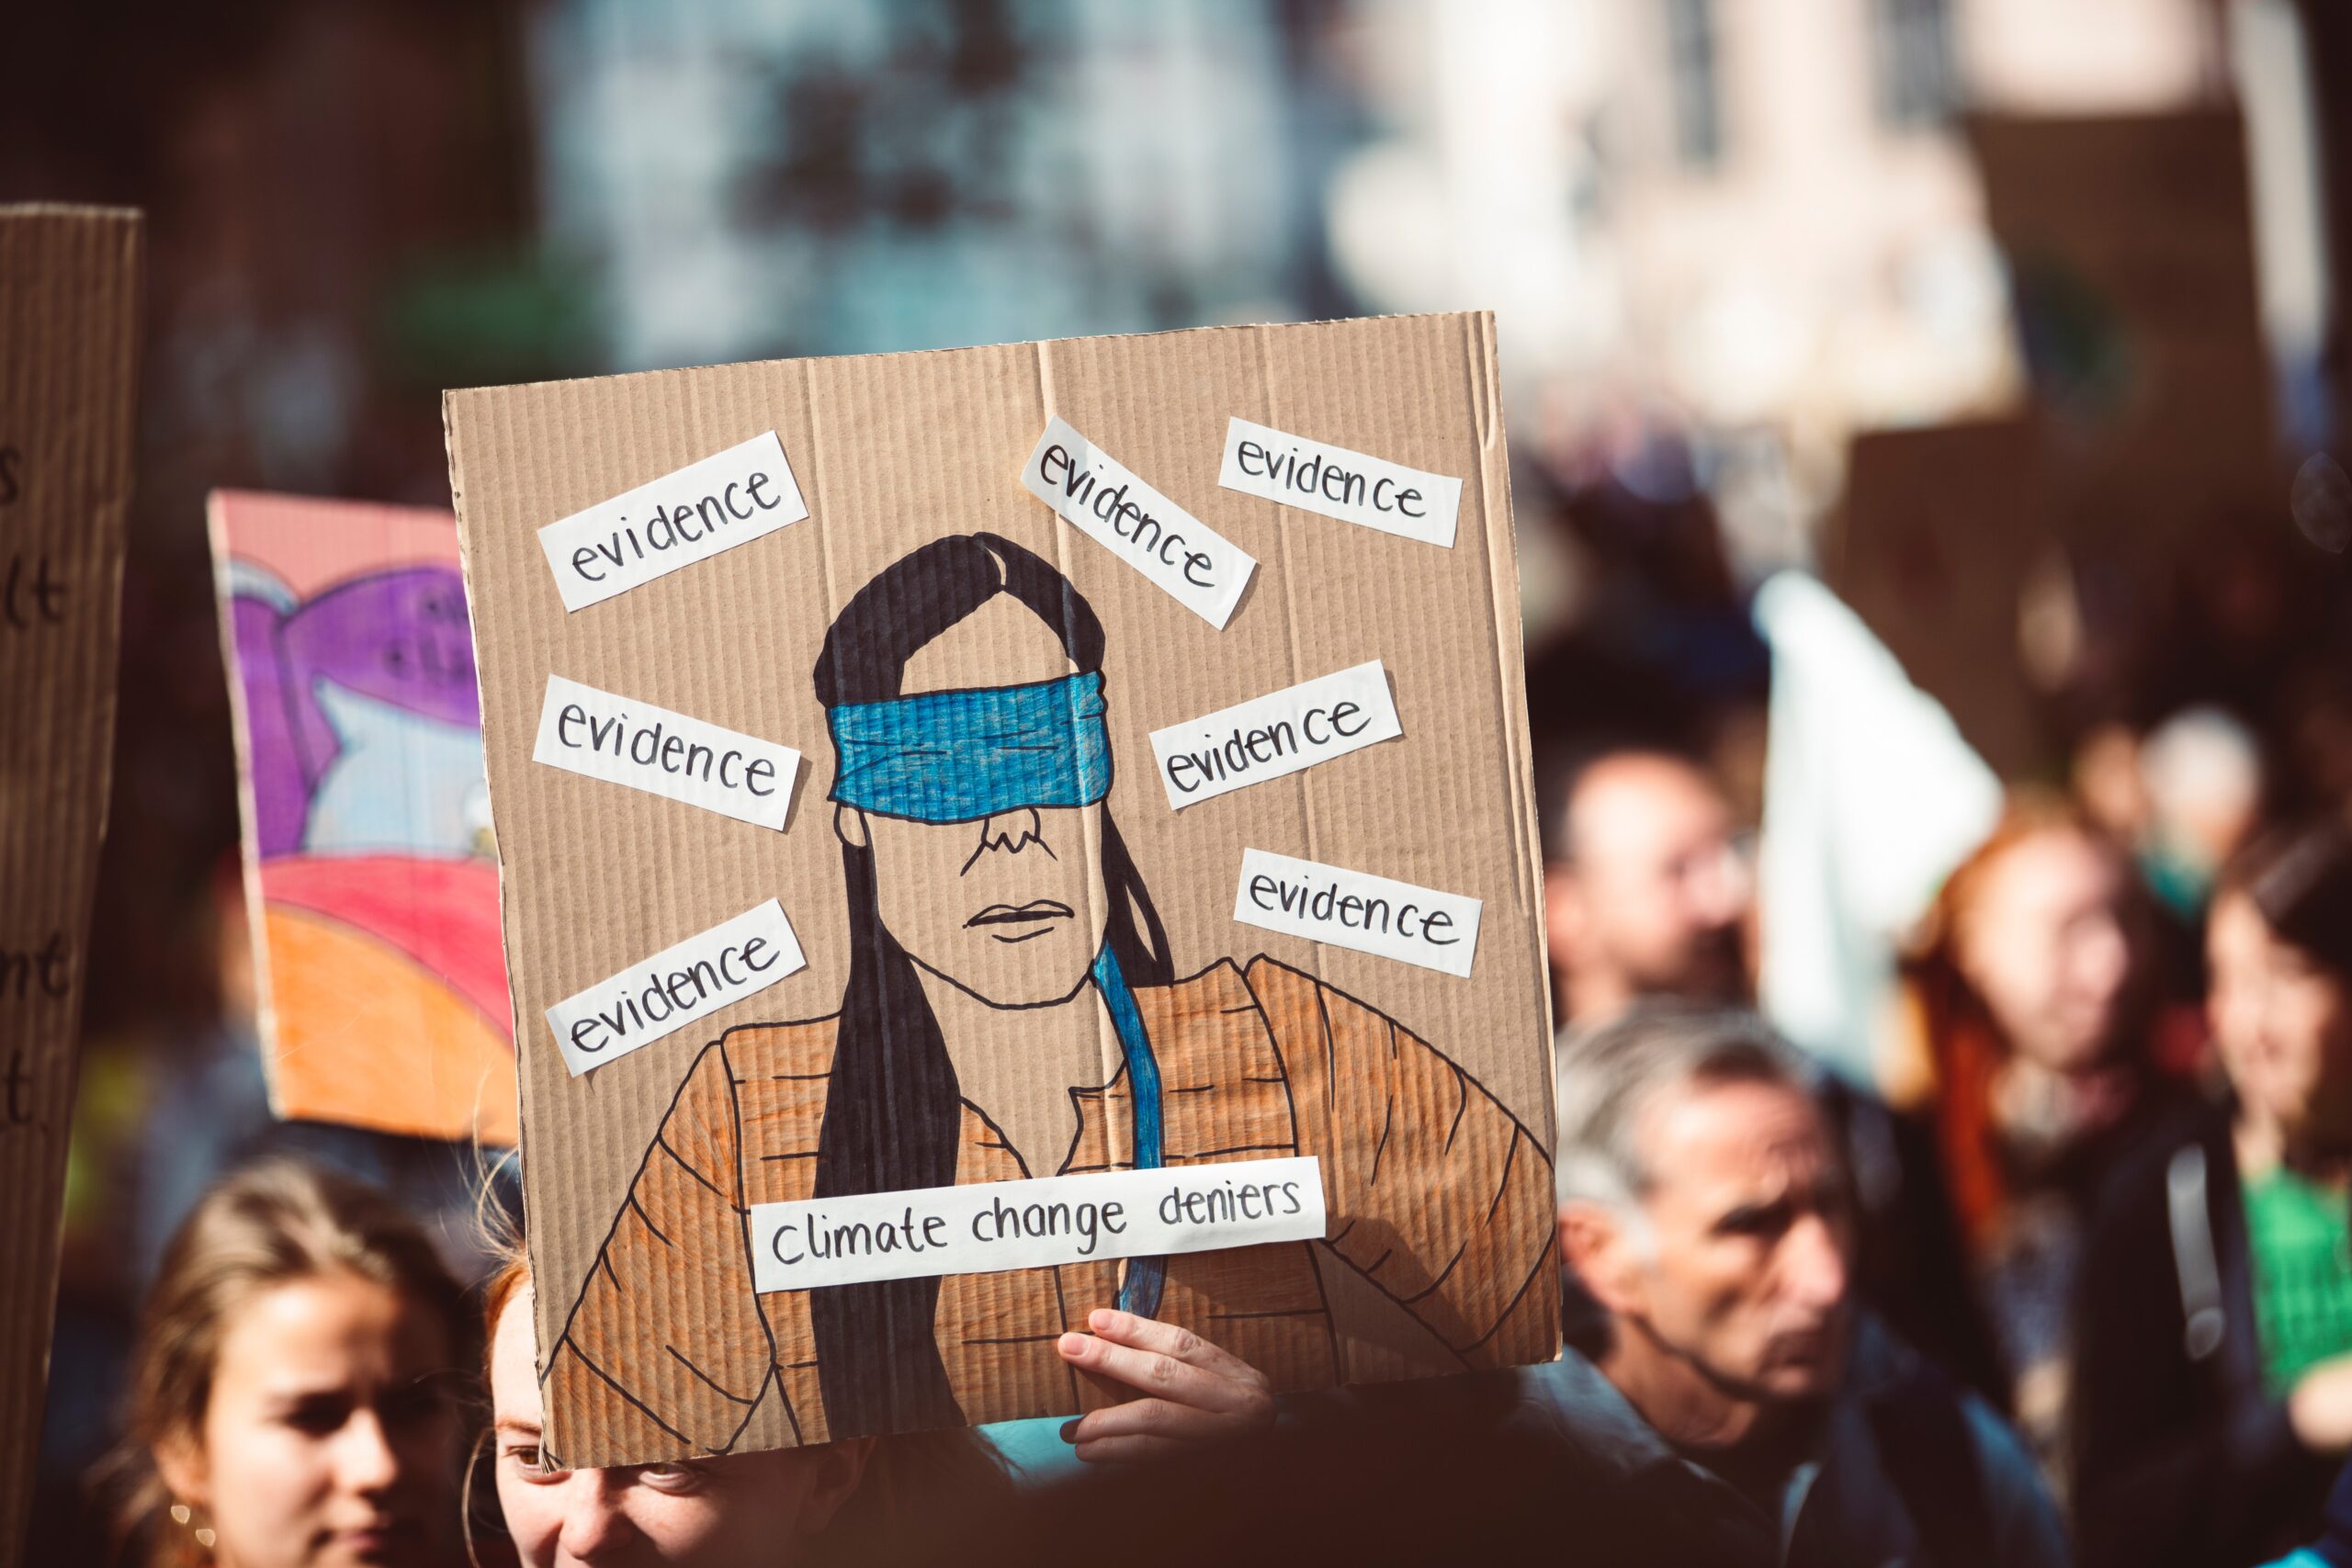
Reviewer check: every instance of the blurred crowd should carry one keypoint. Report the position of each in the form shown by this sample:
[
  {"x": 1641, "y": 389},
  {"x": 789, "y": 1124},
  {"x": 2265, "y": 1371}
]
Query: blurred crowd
[{"x": 2066, "y": 1275}]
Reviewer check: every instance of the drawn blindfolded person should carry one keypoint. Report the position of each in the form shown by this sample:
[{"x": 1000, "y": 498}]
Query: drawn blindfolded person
[{"x": 1012, "y": 1011}]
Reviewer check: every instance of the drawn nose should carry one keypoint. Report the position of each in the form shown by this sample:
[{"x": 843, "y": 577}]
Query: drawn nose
[{"x": 1013, "y": 830}]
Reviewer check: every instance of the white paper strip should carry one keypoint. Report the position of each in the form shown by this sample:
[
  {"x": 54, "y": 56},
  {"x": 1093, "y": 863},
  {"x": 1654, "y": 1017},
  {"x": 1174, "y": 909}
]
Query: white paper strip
[
  {"x": 601, "y": 735},
  {"x": 988, "y": 1226},
  {"x": 727, "y": 499},
  {"x": 1349, "y": 908},
  {"x": 1196, "y": 566},
  {"x": 1353, "y": 487},
  {"x": 657, "y": 996},
  {"x": 1274, "y": 734}
]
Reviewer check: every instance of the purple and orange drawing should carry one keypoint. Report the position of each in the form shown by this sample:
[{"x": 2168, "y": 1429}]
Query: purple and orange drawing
[{"x": 368, "y": 864}]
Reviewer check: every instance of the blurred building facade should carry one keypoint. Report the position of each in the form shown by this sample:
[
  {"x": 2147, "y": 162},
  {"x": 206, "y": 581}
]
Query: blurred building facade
[
  {"x": 752, "y": 179},
  {"x": 1761, "y": 221}
]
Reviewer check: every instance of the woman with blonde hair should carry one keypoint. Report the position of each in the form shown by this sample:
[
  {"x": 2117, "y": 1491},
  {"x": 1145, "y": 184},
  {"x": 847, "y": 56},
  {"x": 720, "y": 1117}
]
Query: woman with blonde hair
[{"x": 292, "y": 1385}]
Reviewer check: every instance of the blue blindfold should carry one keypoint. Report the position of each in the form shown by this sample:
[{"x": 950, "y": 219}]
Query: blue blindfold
[{"x": 960, "y": 756}]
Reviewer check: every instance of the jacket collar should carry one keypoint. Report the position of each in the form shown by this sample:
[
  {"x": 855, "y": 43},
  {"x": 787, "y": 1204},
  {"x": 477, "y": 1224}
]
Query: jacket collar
[{"x": 1842, "y": 1489}]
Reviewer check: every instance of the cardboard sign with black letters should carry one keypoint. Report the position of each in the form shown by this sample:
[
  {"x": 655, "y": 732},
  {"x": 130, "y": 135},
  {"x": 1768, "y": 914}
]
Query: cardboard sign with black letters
[
  {"x": 1152, "y": 919},
  {"x": 69, "y": 282}
]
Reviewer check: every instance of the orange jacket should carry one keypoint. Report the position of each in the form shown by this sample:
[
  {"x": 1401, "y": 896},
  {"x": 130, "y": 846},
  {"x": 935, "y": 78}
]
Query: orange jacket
[{"x": 1434, "y": 1193}]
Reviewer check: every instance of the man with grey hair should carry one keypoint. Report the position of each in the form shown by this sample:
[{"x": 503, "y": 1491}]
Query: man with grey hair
[
  {"x": 1646, "y": 896},
  {"x": 1705, "y": 1208}
]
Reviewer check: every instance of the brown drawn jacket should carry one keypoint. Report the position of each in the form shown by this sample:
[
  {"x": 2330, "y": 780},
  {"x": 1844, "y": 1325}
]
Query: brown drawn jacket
[{"x": 1433, "y": 1192}]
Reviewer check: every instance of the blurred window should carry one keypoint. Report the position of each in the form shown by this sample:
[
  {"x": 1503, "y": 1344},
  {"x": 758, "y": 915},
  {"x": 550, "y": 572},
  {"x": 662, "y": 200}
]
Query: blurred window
[
  {"x": 1912, "y": 55},
  {"x": 1694, "y": 43}
]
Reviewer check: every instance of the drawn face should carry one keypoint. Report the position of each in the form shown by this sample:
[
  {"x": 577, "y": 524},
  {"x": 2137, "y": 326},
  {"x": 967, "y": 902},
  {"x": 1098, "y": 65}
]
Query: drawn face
[
  {"x": 329, "y": 1439},
  {"x": 758, "y": 1508},
  {"x": 1011, "y": 908}
]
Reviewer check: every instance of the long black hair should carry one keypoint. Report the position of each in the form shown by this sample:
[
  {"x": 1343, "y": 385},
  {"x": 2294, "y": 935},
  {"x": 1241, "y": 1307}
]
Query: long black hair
[
  {"x": 893, "y": 1110},
  {"x": 2299, "y": 879}
]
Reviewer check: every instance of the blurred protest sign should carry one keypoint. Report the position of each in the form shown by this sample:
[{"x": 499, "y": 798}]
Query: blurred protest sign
[
  {"x": 368, "y": 866},
  {"x": 1937, "y": 535},
  {"x": 2130, "y": 240},
  {"x": 835, "y": 1125},
  {"x": 2130, "y": 245},
  {"x": 69, "y": 317}
]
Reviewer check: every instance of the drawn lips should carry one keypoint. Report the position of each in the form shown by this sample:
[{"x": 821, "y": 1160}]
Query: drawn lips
[
  {"x": 1033, "y": 918},
  {"x": 1007, "y": 915}
]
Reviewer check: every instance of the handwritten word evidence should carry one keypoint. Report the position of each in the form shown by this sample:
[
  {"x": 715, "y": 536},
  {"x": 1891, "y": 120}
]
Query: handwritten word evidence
[
  {"x": 1192, "y": 563},
  {"x": 661, "y": 994},
  {"x": 600, "y": 736},
  {"x": 1349, "y": 908},
  {"x": 987, "y": 1226},
  {"x": 1280, "y": 733},
  {"x": 727, "y": 499},
  {"x": 1350, "y": 486}
]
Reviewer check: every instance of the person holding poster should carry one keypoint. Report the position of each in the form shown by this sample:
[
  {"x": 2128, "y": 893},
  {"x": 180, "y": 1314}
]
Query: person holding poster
[
  {"x": 855, "y": 1501},
  {"x": 1001, "y": 936}
]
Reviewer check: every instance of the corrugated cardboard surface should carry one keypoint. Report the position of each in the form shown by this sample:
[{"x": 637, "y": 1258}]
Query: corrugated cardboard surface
[
  {"x": 369, "y": 875},
  {"x": 69, "y": 316},
  {"x": 892, "y": 451}
]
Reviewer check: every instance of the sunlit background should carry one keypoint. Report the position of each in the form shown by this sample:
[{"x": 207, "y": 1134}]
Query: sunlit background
[{"x": 2016, "y": 321}]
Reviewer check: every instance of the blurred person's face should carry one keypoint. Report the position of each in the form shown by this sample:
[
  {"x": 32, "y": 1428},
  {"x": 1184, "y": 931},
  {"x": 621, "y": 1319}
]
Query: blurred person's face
[
  {"x": 1652, "y": 899},
  {"x": 2281, "y": 1023},
  {"x": 755, "y": 1508},
  {"x": 2237, "y": 956},
  {"x": 2047, "y": 944},
  {"x": 2107, "y": 778},
  {"x": 2204, "y": 781},
  {"x": 1732, "y": 1285},
  {"x": 329, "y": 1439}
]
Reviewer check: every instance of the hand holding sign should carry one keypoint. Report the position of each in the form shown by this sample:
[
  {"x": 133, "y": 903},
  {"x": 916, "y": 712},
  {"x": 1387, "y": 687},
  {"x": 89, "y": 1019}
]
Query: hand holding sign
[{"x": 1175, "y": 1387}]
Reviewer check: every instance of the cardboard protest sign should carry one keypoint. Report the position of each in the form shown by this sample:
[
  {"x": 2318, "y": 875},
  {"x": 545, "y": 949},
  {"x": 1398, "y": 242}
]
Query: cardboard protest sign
[
  {"x": 1939, "y": 533},
  {"x": 69, "y": 356},
  {"x": 368, "y": 866},
  {"x": 2131, "y": 243},
  {"x": 1153, "y": 920}
]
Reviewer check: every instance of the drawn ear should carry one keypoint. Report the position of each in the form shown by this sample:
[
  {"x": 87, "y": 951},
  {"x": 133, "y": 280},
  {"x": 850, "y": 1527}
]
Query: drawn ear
[{"x": 849, "y": 827}]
